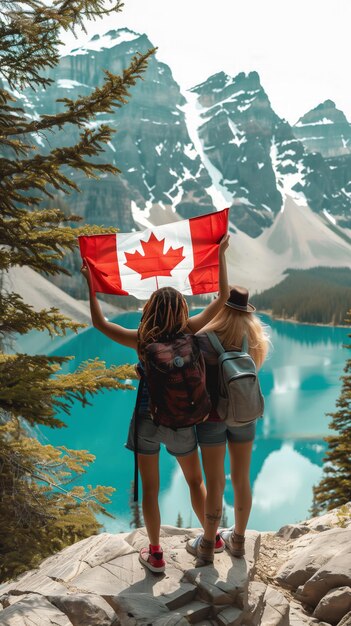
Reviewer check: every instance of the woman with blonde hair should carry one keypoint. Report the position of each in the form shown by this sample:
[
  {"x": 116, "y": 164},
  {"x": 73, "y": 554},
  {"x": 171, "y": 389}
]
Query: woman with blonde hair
[
  {"x": 234, "y": 322},
  {"x": 164, "y": 315}
]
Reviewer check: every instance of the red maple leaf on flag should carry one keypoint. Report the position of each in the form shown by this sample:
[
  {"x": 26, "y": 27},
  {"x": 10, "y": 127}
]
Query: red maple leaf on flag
[{"x": 154, "y": 262}]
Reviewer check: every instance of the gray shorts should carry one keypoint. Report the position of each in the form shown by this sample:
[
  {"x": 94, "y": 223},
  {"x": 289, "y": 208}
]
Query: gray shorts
[
  {"x": 179, "y": 442},
  {"x": 218, "y": 433}
]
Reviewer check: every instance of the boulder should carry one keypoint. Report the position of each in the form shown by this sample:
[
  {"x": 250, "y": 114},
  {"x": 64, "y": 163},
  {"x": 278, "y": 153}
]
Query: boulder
[
  {"x": 335, "y": 573},
  {"x": 137, "y": 608},
  {"x": 334, "y": 605},
  {"x": 299, "y": 617},
  {"x": 255, "y": 603},
  {"x": 231, "y": 616},
  {"x": 312, "y": 552},
  {"x": 340, "y": 517},
  {"x": 276, "y": 608},
  {"x": 292, "y": 531},
  {"x": 88, "y": 609},
  {"x": 33, "y": 609}
]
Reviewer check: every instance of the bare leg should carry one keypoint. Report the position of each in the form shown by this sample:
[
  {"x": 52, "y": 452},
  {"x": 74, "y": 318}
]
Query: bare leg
[
  {"x": 213, "y": 462},
  {"x": 150, "y": 478},
  {"x": 191, "y": 468},
  {"x": 240, "y": 458}
]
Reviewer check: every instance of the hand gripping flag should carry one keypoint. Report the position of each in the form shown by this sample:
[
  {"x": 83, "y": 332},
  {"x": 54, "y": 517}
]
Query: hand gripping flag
[{"x": 183, "y": 255}]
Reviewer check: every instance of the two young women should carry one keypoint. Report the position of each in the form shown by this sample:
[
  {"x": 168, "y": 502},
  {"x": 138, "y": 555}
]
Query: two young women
[{"x": 166, "y": 312}]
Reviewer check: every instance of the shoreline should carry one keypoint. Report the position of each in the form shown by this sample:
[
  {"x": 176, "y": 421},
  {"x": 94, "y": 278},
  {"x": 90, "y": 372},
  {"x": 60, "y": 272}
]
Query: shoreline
[{"x": 291, "y": 320}]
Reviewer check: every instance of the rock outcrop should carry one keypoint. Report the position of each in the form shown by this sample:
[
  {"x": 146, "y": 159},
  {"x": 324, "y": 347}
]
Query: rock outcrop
[{"x": 300, "y": 576}]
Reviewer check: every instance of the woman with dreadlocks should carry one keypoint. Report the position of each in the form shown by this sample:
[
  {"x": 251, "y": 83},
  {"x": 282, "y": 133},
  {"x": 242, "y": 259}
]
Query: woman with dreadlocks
[{"x": 165, "y": 313}]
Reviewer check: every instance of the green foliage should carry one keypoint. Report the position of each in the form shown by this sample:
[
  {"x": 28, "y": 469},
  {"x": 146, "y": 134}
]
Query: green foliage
[
  {"x": 321, "y": 295},
  {"x": 30, "y": 390},
  {"x": 179, "y": 522},
  {"x": 38, "y": 514},
  {"x": 334, "y": 490},
  {"x": 343, "y": 515}
]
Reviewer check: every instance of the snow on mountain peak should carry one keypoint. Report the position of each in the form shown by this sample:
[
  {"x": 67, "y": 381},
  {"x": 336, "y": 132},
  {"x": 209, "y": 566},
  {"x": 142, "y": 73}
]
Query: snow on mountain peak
[
  {"x": 108, "y": 40},
  {"x": 324, "y": 113}
]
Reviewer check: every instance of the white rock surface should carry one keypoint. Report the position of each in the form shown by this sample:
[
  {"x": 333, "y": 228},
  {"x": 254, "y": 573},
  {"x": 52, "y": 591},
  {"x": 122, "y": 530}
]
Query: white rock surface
[
  {"x": 319, "y": 556},
  {"x": 100, "y": 582},
  {"x": 334, "y": 605}
]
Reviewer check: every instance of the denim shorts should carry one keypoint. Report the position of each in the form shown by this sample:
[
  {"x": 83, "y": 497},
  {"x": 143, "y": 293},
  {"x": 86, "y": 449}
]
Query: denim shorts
[
  {"x": 179, "y": 442},
  {"x": 218, "y": 433}
]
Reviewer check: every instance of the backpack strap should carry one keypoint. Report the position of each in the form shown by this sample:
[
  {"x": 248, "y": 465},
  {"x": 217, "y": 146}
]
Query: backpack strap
[
  {"x": 216, "y": 344},
  {"x": 245, "y": 344},
  {"x": 136, "y": 424}
]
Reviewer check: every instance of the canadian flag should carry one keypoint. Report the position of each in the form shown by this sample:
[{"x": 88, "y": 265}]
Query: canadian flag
[{"x": 183, "y": 255}]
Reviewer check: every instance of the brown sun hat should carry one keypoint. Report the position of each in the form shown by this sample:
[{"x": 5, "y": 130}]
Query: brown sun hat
[{"x": 239, "y": 299}]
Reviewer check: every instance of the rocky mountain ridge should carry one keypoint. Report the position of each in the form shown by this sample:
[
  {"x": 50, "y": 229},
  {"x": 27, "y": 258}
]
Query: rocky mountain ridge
[
  {"x": 262, "y": 159},
  {"x": 220, "y": 145}
]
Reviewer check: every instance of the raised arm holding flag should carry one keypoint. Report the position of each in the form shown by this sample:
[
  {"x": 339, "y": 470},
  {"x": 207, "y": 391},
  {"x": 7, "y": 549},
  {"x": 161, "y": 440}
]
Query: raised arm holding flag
[{"x": 165, "y": 315}]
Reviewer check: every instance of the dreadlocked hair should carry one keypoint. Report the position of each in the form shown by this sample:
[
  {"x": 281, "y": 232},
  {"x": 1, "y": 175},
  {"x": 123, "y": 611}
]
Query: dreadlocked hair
[{"x": 164, "y": 315}]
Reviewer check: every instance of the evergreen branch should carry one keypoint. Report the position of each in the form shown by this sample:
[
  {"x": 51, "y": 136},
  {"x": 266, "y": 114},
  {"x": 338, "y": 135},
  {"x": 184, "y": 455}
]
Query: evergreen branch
[
  {"x": 18, "y": 317},
  {"x": 48, "y": 165},
  {"x": 30, "y": 390},
  {"x": 30, "y": 472},
  {"x": 25, "y": 34},
  {"x": 113, "y": 93},
  {"x": 38, "y": 239}
]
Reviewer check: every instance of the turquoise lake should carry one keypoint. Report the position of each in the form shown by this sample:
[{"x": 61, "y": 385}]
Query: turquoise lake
[{"x": 301, "y": 383}]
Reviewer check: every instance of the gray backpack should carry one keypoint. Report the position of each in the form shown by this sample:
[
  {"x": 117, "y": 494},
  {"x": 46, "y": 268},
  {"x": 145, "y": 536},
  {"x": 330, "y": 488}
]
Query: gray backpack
[{"x": 240, "y": 398}]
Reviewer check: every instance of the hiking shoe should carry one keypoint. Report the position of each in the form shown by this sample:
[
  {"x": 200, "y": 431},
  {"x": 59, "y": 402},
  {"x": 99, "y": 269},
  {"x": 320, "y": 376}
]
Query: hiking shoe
[
  {"x": 219, "y": 544},
  {"x": 234, "y": 543},
  {"x": 153, "y": 561},
  {"x": 201, "y": 548}
]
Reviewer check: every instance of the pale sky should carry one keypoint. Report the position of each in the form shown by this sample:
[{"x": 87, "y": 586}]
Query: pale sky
[{"x": 300, "y": 48}]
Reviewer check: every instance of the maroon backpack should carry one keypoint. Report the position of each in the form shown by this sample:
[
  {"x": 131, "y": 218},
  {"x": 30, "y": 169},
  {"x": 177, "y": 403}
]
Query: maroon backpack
[{"x": 175, "y": 376}]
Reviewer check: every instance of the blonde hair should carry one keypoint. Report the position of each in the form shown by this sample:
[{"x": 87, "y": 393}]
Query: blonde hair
[
  {"x": 164, "y": 315},
  {"x": 231, "y": 325}
]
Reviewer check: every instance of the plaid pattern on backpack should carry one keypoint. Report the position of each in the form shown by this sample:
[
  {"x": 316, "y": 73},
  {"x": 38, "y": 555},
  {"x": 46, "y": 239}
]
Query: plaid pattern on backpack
[
  {"x": 176, "y": 380},
  {"x": 240, "y": 398}
]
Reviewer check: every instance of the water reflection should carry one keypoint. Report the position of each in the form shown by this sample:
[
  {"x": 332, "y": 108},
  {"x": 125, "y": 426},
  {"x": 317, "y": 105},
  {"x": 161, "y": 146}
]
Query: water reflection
[
  {"x": 283, "y": 488},
  {"x": 300, "y": 381}
]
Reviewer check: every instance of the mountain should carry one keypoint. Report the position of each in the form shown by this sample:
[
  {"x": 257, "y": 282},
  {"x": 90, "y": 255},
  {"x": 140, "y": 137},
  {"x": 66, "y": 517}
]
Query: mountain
[
  {"x": 325, "y": 129},
  {"x": 326, "y": 134},
  {"x": 221, "y": 145},
  {"x": 160, "y": 167},
  {"x": 255, "y": 152},
  {"x": 259, "y": 159},
  {"x": 299, "y": 238}
]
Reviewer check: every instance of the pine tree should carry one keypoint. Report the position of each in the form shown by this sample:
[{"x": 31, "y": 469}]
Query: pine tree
[
  {"x": 179, "y": 522},
  {"x": 334, "y": 489},
  {"x": 38, "y": 515}
]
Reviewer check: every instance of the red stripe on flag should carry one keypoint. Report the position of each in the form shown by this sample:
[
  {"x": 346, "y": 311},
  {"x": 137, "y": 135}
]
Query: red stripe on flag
[
  {"x": 206, "y": 233},
  {"x": 100, "y": 254}
]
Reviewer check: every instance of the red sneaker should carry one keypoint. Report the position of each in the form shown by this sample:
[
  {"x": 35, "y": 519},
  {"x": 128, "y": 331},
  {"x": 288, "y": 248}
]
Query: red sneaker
[
  {"x": 219, "y": 544},
  {"x": 153, "y": 561}
]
